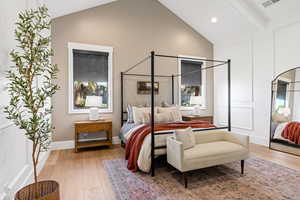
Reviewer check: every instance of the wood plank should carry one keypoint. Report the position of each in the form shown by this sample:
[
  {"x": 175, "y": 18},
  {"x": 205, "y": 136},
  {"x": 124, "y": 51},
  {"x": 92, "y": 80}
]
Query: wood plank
[{"x": 82, "y": 176}]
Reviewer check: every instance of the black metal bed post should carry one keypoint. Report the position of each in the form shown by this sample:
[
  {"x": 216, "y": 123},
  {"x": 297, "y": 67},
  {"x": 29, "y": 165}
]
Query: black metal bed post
[
  {"x": 173, "y": 89},
  {"x": 229, "y": 94},
  {"x": 152, "y": 115},
  {"x": 122, "y": 117}
]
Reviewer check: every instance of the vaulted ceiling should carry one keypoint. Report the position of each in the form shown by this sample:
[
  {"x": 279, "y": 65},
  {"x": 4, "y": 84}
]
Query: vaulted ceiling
[
  {"x": 236, "y": 18},
  {"x": 59, "y": 8}
]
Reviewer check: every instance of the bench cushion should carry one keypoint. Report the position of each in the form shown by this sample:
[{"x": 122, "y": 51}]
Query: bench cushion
[{"x": 213, "y": 153}]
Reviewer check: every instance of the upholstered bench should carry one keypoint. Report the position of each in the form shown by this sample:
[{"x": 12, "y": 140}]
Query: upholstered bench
[{"x": 211, "y": 148}]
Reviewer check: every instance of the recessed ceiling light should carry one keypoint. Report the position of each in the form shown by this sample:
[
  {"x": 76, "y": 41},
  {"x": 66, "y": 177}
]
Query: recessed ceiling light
[{"x": 214, "y": 20}]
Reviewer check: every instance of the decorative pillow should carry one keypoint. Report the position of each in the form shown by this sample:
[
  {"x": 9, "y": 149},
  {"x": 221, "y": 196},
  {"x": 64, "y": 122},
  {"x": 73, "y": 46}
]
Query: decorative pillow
[
  {"x": 279, "y": 118},
  {"x": 138, "y": 113},
  {"x": 176, "y": 115},
  {"x": 165, "y": 104},
  {"x": 174, "y": 112},
  {"x": 158, "y": 117},
  {"x": 186, "y": 136},
  {"x": 129, "y": 114},
  {"x": 146, "y": 118}
]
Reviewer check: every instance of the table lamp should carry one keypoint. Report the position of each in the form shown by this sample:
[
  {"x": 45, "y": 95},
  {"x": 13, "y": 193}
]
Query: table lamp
[
  {"x": 197, "y": 101},
  {"x": 93, "y": 102}
]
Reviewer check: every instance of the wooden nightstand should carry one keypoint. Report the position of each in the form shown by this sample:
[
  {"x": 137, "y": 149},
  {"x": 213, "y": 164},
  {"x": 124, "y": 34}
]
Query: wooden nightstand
[
  {"x": 209, "y": 119},
  {"x": 88, "y": 127}
]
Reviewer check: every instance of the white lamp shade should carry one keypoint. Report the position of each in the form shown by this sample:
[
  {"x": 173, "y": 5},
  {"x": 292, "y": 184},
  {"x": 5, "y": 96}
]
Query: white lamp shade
[
  {"x": 196, "y": 100},
  {"x": 93, "y": 101}
]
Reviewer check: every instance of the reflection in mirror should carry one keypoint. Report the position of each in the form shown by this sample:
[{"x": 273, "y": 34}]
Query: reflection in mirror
[{"x": 285, "y": 119}]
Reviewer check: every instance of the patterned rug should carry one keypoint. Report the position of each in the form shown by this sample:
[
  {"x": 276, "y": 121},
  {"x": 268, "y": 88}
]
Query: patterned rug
[{"x": 263, "y": 180}]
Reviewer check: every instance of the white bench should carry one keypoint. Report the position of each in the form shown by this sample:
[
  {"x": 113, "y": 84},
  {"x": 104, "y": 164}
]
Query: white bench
[{"x": 212, "y": 148}]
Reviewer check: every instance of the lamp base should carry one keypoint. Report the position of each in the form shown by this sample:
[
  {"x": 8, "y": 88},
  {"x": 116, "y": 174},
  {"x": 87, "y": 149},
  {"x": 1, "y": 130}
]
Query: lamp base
[
  {"x": 94, "y": 114},
  {"x": 197, "y": 110}
]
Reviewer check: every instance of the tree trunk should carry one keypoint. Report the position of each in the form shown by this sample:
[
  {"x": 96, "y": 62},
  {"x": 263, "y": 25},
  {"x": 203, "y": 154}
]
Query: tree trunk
[{"x": 34, "y": 162}]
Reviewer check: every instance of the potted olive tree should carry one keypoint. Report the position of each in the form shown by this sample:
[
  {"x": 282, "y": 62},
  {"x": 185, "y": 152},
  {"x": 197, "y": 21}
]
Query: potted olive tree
[{"x": 29, "y": 102}]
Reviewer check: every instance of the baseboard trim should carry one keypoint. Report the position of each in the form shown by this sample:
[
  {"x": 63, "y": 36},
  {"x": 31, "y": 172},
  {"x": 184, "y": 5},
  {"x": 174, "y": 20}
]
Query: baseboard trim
[
  {"x": 23, "y": 178},
  {"x": 60, "y": 145},
  {"x": 70, "y": 144},
  {"x": 259, "y": 140}
]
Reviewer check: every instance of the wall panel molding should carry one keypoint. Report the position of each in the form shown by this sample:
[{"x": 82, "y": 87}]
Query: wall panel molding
[
  {"x": 241, "y": 114},
  {"x": 23, "y": 178}
]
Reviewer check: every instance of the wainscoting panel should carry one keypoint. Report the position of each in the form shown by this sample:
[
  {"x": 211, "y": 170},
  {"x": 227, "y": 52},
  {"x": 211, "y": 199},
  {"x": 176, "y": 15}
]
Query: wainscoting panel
[
  {"x": 241, "y": 115},
  {"x": 16, "y": 169}
]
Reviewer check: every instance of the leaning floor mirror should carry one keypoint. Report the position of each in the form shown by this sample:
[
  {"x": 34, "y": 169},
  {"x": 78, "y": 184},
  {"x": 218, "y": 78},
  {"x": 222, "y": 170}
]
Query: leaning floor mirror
[{"x": 285, "y": 115}]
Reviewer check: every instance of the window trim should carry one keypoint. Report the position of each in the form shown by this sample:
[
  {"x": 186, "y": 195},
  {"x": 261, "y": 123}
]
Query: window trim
[
  {"x": 288, "y": 87},
  {"x": 203, "y": 87},
  {"x": 89, "y": 47}
]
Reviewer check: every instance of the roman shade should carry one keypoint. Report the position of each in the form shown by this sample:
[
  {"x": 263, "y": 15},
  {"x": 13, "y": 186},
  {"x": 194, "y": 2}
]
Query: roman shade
[
  {"x": 189, "y": 78},
  {"x": 90, "y": 66}
]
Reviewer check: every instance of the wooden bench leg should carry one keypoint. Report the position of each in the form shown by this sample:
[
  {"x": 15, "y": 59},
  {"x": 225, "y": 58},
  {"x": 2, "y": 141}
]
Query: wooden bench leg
[
  {"x": 242, "y": 166},
  {"x": 185, "y": 179}
]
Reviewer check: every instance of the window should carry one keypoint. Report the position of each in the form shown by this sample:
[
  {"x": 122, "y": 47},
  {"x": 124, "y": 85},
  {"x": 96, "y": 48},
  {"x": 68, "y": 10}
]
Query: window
[
  {"x": 90, "y": 75},
  {"x": 281, "y": 96},
  {"x": 192, "y": 82}
]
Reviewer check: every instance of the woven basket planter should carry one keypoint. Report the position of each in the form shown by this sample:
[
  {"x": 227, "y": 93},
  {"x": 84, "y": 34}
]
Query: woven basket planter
[{"x": 47, "y": 190}]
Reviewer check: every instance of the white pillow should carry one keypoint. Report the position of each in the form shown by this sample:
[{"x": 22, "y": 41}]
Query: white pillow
[
  {"x": 279, "y": 118},
  {"x": 158, "y": 117},
  {"x": 173, "y": 111},
  {"x": 138, "y": 113},
  {"x": 186, "y": 137}
]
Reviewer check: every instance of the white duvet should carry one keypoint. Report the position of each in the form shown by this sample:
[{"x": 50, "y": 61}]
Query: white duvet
[{"x": 144, "y": 159}]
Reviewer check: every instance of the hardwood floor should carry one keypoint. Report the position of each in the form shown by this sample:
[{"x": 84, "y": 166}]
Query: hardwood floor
[
  {"x": 82, "y": 175},
  {"x": 284, "y": 159}
]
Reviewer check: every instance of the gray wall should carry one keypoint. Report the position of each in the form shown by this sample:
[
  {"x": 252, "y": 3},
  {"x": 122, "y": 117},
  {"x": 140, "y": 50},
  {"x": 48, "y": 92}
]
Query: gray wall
[{"x": 133, "y": 28}]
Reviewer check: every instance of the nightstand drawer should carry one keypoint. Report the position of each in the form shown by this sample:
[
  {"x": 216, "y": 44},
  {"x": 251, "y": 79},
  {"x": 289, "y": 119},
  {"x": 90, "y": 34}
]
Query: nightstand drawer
[{"x": 83, "y": 128}]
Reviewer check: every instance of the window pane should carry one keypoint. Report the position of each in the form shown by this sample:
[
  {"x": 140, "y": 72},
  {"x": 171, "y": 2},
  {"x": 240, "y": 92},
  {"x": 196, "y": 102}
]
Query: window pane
[
  {"x": 90, "y": 75},
  {"x": 191, "y": 81},
  {"x": 281, "y": 94}
]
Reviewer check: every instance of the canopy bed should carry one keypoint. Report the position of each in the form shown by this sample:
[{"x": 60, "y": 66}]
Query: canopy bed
[
  {"x": 285, "y": 112},
  {"x": 146, "y": 139}
]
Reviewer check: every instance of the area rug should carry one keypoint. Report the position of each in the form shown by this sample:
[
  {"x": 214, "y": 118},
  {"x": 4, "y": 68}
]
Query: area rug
[{"x": 263, "y": 180}]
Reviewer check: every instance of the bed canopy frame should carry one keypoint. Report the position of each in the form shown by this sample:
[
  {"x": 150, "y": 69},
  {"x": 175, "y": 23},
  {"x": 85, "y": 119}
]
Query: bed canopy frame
[{"x": 152, "y": 76}]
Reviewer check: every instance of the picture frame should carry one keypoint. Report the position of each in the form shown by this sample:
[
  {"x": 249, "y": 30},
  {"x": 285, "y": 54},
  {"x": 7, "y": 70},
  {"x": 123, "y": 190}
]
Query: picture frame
[{"x": 144, "y": 87}]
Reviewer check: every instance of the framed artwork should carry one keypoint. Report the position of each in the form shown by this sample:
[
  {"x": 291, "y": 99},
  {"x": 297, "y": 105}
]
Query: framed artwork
[{"x": 144, "y": 87}]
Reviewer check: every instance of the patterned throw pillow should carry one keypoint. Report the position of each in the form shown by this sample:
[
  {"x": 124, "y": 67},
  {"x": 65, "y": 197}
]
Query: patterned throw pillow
[
  {"x": 138, "y": 113},
  {"x": 174, "y": 111},
  {"x": 158, "y": 117},
  {"x": 186, "y": 137}
]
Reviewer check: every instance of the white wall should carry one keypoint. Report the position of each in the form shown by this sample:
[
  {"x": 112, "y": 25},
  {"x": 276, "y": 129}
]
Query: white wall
[
  {"x": 256, "y": 60},
  {"x": 15, "y": 150}
]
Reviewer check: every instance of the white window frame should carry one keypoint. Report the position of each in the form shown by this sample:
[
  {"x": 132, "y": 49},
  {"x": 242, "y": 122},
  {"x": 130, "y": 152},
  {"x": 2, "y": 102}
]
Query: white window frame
[
  {"x": 89, "y": 47},
  {"x": 203, "y": 87},
  {"x": 288, "y": 87}
]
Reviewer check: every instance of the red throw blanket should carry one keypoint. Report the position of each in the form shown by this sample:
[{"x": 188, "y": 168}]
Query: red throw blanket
[
  {"x": 136, "y": 140},
  {"x": 292, "y": 132}
]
